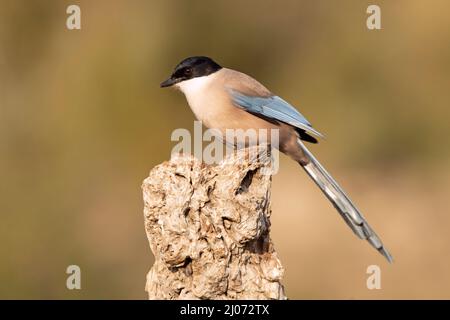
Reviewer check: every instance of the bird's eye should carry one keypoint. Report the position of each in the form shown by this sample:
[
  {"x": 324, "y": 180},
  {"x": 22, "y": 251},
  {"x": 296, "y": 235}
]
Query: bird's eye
[{"x": 188, "y": 71}]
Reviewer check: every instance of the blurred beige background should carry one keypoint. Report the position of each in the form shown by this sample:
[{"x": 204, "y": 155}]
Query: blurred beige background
[{"x": 83, "y": 120}]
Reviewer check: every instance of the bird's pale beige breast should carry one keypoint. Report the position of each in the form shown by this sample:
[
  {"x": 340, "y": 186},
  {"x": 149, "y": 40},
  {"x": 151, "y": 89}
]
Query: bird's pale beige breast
[{"x": 214, "y": 106}]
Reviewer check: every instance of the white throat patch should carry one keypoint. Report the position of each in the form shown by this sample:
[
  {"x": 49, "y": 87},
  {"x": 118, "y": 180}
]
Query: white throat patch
[{"x": 195, "y": 85}]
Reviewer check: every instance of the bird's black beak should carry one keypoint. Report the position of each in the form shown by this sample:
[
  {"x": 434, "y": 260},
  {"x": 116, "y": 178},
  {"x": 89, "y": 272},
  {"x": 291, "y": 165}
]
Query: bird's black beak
[{"x": 169, "y": 82}]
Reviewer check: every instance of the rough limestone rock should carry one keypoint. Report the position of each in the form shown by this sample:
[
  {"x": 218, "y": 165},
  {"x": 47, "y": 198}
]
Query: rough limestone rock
[{"x": 208, "y": 228}]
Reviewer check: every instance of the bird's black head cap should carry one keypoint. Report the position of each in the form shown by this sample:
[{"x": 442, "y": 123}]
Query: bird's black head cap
[{"x": 190, "y": 68}]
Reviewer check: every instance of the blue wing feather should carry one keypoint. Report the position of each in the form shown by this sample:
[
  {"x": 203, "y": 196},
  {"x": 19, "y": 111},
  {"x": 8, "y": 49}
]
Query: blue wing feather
[{"x": 273, "y": 107}]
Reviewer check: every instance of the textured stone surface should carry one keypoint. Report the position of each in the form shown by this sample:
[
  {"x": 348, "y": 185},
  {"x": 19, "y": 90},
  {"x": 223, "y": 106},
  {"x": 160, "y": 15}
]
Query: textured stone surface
[{"x": 208, "y": 228}]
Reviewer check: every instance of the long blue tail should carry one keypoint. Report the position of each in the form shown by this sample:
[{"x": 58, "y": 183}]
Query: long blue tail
[{"x": 341, "y": 202}]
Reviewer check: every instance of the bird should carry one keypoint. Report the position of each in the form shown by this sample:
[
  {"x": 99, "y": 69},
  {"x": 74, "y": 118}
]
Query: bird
[{"x": 223, "y": 98}]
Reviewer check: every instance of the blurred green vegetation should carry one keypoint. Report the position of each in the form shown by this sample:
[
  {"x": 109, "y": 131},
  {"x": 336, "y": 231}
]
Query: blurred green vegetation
[{"x": 83, "y": 120}]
